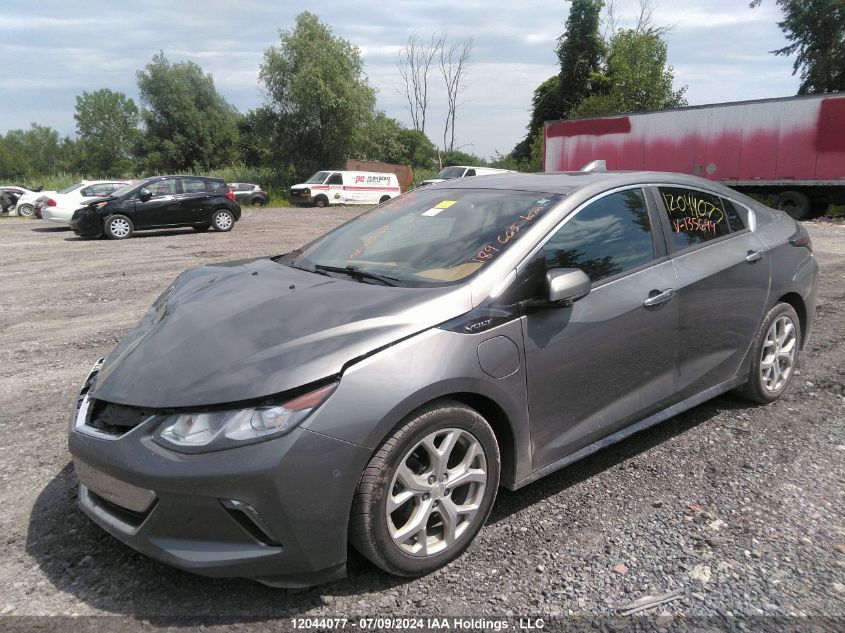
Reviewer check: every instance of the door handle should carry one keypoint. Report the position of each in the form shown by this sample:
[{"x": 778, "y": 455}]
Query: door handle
[
  {"x": 658, "y": 297},
  {"x": 754, "y": 256}
]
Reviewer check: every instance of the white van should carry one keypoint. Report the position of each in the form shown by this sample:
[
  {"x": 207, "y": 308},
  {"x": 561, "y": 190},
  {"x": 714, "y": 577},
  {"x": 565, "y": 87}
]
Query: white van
[
  {"x": 345, "y": 187},
  {"x": 463, "y": 171}
]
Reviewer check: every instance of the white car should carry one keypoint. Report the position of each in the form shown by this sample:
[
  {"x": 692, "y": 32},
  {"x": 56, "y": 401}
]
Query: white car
[
  {"x": 463, "y": 171},
  {"x": 59, "y": 206},
  {"x": 15, "y": 193}
]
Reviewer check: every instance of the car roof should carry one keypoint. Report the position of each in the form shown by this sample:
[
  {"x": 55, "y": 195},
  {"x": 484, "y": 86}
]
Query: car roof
[{"x": 566, "y": 182}]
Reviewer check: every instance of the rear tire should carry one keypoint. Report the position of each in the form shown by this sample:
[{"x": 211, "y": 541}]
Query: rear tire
[
  {"x": 26, "y": 210},
  {"x": 417, "y": 508},
  {"x": 794, "y": 203},
  {"x": 118, "y": 227},
  {"x": 774, "y": 355},
  {"x": 222, "y": 220},
  {"x": 384, "y": 199}
]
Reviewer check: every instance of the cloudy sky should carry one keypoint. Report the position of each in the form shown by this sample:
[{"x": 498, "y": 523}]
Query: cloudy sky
[{"x": 51, "y": 50}]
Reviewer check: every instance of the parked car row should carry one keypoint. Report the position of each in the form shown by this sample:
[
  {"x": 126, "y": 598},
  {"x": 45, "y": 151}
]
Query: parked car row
[
  {"x": 59, "y": 206},
  {"x": 118, "y": 208},
  {"x": 325, "y": 188}
]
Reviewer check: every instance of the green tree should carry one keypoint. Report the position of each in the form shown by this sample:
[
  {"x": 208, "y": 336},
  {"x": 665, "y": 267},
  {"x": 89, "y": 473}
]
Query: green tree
[
  {"x": 188, "y": 124},
  {"x": 318, "y": 91},
  {"x": 580, "y": 52},
  {"x": 457, "y": 157},
  {"x": 254, "y": 129},
  {"x": 635, "y": 77},
  {"x": 385, "y": 139},
  {"x": 816, "y": 32},
  {"x": 30, "y": 153},
  {"x": 107, "y": 127},
  {"x": 419, "y": 150},
  {"x": 545, "y": 106}
]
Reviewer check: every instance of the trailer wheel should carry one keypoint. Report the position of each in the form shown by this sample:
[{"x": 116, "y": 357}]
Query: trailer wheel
[{"x": 794, "y": 203}]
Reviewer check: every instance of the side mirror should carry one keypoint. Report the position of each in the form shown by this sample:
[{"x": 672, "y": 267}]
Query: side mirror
[
  {"x": 566, "y": 285},
  {"x": 144, "y": 195}
]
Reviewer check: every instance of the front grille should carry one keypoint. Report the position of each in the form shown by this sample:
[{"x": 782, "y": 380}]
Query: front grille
[{"x": 115, "y": 419}]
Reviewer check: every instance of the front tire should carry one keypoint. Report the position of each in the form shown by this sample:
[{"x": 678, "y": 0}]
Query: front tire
[
  {"x": 427, "y": 491},
  {"x": 774, "y": 354},
  {"x": 321, "y": 202},
  {"x": 26, "y": 210},
  {"x": 222, "y": 220},
  {"x": 118, "y": 227}
]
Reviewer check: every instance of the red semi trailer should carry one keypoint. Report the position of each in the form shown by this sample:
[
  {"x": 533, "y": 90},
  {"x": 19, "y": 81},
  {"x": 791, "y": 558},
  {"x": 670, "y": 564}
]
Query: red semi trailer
[{"x": 791, "y": 149}]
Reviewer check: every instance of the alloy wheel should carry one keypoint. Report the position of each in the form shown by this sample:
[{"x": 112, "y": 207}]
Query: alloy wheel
[
  {"x": 777, "y": 357},
  {"x": 436, "y": 492}
]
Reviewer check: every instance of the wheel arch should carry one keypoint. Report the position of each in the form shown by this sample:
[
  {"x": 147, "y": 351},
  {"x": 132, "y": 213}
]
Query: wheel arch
[
  {"x": 487, "y": 407},
  {"x": 797, "y": 302}
]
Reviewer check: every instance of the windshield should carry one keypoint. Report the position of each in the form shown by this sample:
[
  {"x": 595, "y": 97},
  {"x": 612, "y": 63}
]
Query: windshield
[
  {"x": 124, "y": 189},
  {"x": 71, "y": 188},
  {"x": 426, "y": 237},
  {"x": 317, "y": 179},
  {"x": 451, "y": 172}
]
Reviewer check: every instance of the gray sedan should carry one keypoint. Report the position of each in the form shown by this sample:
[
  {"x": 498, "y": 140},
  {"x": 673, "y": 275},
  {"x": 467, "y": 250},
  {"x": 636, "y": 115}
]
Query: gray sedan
[{"x": 378, "y": 385}]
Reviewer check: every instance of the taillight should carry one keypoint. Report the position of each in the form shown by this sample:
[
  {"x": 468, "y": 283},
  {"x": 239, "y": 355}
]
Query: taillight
[
  {"x": 230, "y": 194},
  {"x": 49, "y": 202},
  {"x": 801, "y": 237}
]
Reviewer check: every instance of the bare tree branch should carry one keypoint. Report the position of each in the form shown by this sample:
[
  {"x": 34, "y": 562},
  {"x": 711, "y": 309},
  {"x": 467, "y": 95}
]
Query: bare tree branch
[
  {"x": 454, "y": 61},
  {"x": 414, "y": 64}
]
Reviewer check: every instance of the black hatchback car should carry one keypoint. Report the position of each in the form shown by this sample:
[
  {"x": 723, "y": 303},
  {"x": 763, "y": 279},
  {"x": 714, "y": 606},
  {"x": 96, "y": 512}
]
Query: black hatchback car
[{"x": 159, "y": 202}]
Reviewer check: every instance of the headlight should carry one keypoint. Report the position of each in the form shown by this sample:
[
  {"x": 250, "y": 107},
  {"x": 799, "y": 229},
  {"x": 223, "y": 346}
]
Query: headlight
[{"x": 206, "y": 432}]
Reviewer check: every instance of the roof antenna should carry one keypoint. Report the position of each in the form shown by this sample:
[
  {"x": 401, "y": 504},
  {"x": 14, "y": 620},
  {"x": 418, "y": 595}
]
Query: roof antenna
[{"x": 596, "y": 165}]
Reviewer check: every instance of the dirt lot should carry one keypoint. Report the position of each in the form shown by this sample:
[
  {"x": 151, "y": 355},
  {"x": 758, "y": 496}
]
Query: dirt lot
[{"x": 740, "y": 507}]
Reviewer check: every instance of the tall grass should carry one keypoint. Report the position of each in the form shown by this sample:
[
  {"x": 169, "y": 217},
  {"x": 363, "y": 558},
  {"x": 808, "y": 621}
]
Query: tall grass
[{"x": 52, "y": 182}]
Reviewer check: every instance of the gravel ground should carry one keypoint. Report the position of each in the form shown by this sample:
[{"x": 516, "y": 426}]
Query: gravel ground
[{"x": 738, "y": 507}]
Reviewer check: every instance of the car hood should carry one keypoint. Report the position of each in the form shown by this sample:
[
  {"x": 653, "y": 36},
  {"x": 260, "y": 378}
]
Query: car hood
[{"x": 245, "y": 330}]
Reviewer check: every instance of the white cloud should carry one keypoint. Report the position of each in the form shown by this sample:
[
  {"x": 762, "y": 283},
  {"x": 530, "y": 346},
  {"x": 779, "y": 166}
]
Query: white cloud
[{"x": 52, "y": 50}]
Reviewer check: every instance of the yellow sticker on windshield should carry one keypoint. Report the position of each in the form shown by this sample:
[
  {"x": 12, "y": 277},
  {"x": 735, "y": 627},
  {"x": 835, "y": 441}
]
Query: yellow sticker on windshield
[{"x": 440, "y": 206}]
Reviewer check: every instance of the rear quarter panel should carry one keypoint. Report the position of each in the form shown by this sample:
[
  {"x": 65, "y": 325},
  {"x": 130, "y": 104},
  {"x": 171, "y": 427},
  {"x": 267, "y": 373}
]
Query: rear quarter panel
[{"x": 794, "y": 269}]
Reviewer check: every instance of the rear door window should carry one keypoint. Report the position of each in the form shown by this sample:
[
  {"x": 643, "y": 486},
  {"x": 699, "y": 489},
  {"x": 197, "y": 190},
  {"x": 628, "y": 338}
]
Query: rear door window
[
  {"x": 734, "y": 218},
  {"x": 695, "y": 217},
  {"x": 193, "y": 185}
]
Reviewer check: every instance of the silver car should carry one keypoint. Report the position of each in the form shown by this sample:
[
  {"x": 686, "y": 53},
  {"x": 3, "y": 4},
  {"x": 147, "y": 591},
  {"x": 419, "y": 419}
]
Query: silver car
[
  {"x": 248, "y": 193},
  {"x": 379, "y": 384}
]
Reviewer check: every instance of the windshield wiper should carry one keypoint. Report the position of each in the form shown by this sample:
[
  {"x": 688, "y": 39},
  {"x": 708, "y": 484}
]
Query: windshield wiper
[{"x": 357, "y": 273}]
